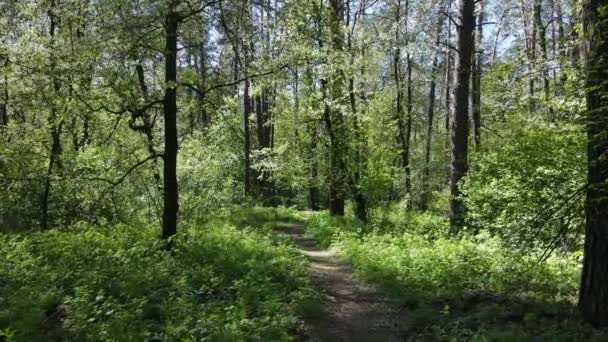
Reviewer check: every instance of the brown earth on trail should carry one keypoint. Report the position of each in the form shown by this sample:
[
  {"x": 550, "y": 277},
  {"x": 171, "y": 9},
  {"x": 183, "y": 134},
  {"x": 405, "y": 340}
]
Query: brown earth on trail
[{"x": 352, "y": 311}]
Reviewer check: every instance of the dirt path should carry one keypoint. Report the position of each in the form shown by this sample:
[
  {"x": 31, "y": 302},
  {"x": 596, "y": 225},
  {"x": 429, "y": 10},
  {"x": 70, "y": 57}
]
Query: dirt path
[{"x": 352, "y": 311}]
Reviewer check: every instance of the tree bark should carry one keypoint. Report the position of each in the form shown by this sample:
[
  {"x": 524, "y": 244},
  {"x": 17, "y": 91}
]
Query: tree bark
[
  {"x": 360, "y": 164},
  {"x": 460, "y": 124},
  {"x": 408, "y": 134},
  {"x": 170, "y": 193},
  {"x": 247, "y": 139},
  {"x": 404, "y": 120},
  {"x": 202, "y": 65},
  {"x": 5, "y": 98},
  {"x": 542, "y": 43},
  {"x": 334, "y": 118},
  {"x": 476, "y": 81},
  {"x": 530, "y": 35},
  {"x": 55, "y": 123},
  {"x": 4, "y": 104},
  {"x": 425, "y": 198},
  {"x": 448, "y": 86},
  {"x": 313, "y": 189},
  {"x": 562, "y": 41},
  {"x": 312, "y": 131},
  {"x": 593, "y": 295}
]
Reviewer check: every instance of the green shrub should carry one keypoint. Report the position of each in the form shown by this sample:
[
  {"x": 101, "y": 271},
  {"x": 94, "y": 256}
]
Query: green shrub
[
  {"x": 529, "y": 190},
  {"x": 467, "y": 288},
  {"x": 218, "y": 283}
]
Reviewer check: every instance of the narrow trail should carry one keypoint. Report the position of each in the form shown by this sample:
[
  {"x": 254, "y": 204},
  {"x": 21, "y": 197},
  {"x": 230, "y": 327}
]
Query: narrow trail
[{"x": 352, "y": 311}]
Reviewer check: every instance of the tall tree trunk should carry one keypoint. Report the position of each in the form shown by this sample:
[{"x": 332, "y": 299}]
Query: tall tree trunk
[
  {"x": 561, "y": 41},
  {"x": 449, "y": 74},
  {"x": 593, "y": 300},
  {"x": 247, "y": 138},
  {"x": 358, "y": 194},
  {"x": 425, "y": 198},
  {"x": 202, "y": 66},
  {"x": 408, "y": 134},
  {"x": 460, "y": 124},
  {"x": 574, "y": 45},
  {"x": 530, "y": 35},
  {"x": 542, "y": 43},
  {"x": 5, "y": 97},
  {"x": 170, "y": 193},
  {"x": 409, "y": 113},
  {"x": 399, "y": 88},
  {"x": 553, "y": 33},
  {"x": 359, "y": 161},
  {"x": 263, "y": 133},
  {"x": 476, "y": 81},
  {"x": 334, "y": 118},
  {"x": 55, "y": 123},
  {"x": 336, "y": 199},
  {"x": 404, "y": 122},
  {"x": 313, "y": 188}
]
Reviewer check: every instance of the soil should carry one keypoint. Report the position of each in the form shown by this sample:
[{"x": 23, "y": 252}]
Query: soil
[{"x": 352, "y": 310}]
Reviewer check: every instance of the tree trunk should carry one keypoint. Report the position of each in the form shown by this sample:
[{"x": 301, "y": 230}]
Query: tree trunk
[
  {"x": 312, "y": 131},
  {"x": 358, "y": 194},
  {"x": 202, "y": 65},
  {"x": 574, "y": 47},
  {"x": 460, "y": 124},
  {"x": 170, "y": 193},
  {"x": 55, "y": 123},
  {"x": 247, "y": 139},
  {"x": 263, "y": 133},
  {"x": 530, "y": 35},
  {"x": 476, "y": 82},
  {"x": 425, "y": 198},
  {"x": 359, "y": 161},
  {"x": 562, "y": 40},
  {"x": 4, "y": 102},
  {"x": 593, "y": 300},
  {"x": 334, "y": 118},
  {"x": 336, "y": 200},
  {"x": 404, "y": 122},
  {"x": 408, "y": 134},
  {"x": 449, "y": 74},
  {"x": 313, "y": 189},
  {"x": 542, "y": 43}
]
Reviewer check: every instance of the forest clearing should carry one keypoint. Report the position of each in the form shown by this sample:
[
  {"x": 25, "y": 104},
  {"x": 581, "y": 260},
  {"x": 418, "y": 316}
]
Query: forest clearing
[{"x": 303, "y": 170}]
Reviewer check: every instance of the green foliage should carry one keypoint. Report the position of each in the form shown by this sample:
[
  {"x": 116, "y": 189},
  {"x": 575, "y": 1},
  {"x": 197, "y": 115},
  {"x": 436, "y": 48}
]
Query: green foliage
[
  {"x": 218, "y": 283},
  {"x": 395, "y": 219},
  {"x": 208, "y": 173},
  {"x": 470, "y": 288},
  {"x": 529, "y": 188}
]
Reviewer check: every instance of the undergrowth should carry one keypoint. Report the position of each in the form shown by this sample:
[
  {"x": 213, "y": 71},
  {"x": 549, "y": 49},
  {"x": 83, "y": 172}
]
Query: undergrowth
[
  {"x": 221, "y": 282},
  {"x": 465, "y": 288}
]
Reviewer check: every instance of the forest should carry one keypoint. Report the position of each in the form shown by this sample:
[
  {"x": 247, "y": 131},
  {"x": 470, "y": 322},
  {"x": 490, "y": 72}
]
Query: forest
[{"x": 303, "y": 170}]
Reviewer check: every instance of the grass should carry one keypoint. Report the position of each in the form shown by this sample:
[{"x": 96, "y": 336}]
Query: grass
[
  {"x": 467, "y": 288},
  {"x": 229, "y": 280}
]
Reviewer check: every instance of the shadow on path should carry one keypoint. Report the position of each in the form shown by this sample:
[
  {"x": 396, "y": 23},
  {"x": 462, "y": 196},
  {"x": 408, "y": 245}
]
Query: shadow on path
[{"x": 352, "y": 311}]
